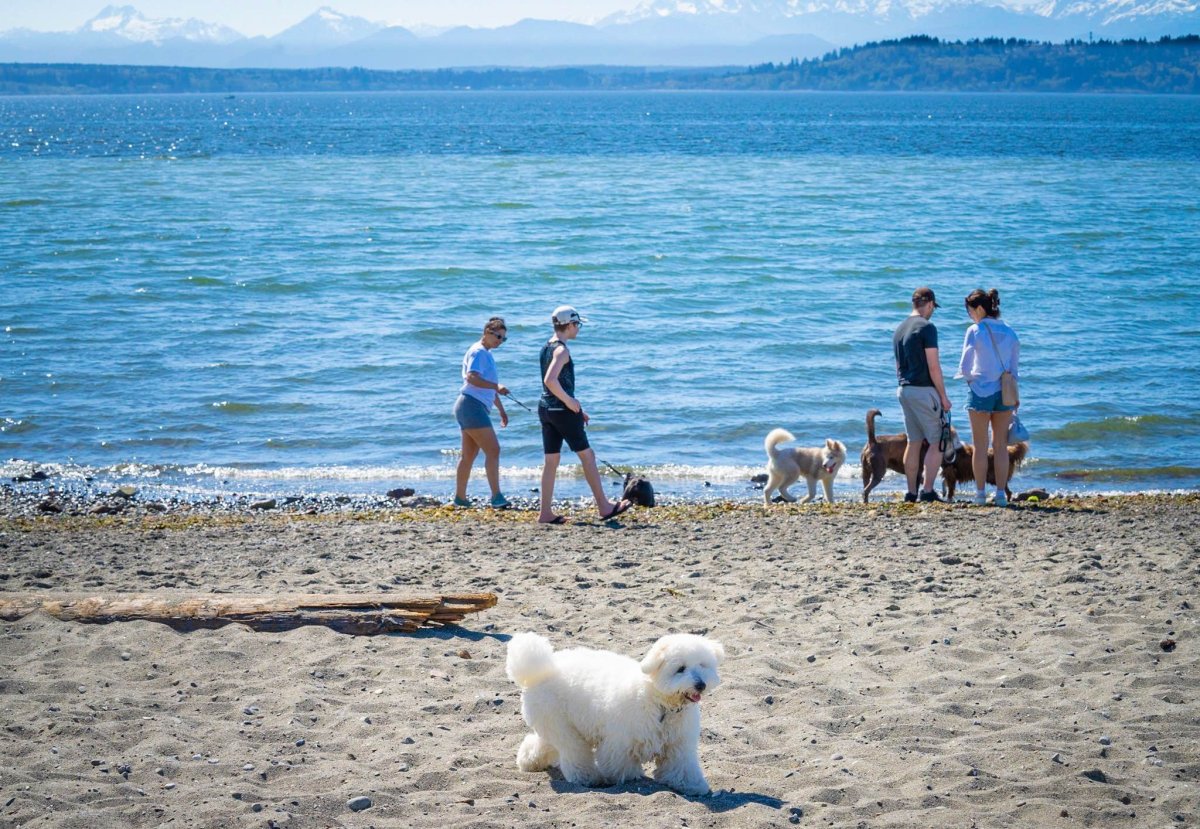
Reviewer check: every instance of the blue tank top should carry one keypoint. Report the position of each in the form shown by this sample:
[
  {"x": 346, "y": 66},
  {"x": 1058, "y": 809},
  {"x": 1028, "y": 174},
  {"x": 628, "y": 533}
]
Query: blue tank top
[{"x": 566, "y": 378}]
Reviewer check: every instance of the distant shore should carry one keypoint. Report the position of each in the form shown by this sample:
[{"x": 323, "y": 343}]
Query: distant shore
[{"x": 913, "y": 64}]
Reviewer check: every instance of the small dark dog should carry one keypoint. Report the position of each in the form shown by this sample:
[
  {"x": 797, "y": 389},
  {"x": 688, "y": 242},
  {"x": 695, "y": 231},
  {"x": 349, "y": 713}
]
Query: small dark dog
[
  {"x": 961, "y": 469},
  {"x": 638, "y": 490},
  {"x": 887, "y": 452}
]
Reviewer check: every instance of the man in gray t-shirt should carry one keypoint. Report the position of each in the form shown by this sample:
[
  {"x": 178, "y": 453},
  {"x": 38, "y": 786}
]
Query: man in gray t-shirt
[{"x": 921, "y": 392}]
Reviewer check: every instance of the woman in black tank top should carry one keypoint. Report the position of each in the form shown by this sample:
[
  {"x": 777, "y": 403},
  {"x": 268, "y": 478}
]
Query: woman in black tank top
[{"x": 563, "y": 419}]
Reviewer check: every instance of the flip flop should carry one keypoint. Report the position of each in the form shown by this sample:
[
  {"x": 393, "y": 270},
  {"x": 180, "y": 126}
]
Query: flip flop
[
  {"x": 558, "y": 519},
  {"x": 621, "y": 507}
]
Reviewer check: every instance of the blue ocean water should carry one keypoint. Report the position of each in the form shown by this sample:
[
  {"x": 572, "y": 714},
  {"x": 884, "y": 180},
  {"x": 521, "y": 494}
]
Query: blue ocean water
[{"x": 273, "y": 292}]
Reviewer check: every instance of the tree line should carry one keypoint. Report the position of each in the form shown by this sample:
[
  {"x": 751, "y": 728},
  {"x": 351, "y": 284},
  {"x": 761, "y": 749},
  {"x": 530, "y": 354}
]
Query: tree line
[
  {"x": 918, "y": 63},
  {"x": 1167, "y": 65}
]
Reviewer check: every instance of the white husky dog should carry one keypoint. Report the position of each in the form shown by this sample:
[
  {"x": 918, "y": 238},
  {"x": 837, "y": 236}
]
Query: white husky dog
[
  {"x": 600, "y": 716},
  {"x": 786, "y": 466}
]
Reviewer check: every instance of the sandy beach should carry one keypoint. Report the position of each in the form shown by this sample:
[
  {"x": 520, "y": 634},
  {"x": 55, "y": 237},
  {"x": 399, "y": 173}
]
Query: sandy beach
[{"x": 887, "y": 666}]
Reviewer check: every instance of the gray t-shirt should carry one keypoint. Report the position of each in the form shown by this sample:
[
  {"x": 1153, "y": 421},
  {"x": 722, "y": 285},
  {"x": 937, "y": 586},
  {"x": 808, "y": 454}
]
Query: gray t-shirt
[{"x": 909, "y": 342}]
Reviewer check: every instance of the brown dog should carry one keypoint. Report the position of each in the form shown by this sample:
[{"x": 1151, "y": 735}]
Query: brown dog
[
  {"x": 961, "y": 470},
  {"x": 881, "y": 454},
  {"x": 887, "y": 452}
]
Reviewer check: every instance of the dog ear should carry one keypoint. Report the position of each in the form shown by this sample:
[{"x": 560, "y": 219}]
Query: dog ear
[
  {"x": 831, "y": 444},
  {"x": 718, "y": 650},
  {"x": 654, "y": 657}
]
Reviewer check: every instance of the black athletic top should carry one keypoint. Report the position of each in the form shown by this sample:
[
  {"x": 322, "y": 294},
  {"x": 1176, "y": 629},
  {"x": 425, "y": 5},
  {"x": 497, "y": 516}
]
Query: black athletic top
[{"x": 566, "y": 378}]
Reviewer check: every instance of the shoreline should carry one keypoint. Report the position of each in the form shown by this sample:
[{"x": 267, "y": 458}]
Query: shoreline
[
  {"x": 889, "y": 666},
  {"x": 36, "y": 493},
  {"x": 49, "y": 505}
]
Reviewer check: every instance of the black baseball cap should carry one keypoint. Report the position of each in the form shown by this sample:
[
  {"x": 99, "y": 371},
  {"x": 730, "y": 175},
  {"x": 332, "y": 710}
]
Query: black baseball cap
[{"x": 923, "y": 295}]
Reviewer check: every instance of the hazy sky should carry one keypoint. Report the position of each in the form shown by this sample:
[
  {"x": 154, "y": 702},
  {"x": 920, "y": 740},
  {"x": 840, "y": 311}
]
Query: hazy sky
[{"x": 267, "y": 17}]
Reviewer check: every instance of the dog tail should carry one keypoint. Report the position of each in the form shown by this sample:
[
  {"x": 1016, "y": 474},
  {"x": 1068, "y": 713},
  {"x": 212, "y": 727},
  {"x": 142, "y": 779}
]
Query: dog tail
[
  {"x": 530, "y": 659},
  {"x": 871, "y": 415},
  {"x": 776, "y": 437}
]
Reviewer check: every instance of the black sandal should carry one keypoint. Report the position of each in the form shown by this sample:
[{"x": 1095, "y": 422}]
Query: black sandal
[{"x": 622, "y": 506}]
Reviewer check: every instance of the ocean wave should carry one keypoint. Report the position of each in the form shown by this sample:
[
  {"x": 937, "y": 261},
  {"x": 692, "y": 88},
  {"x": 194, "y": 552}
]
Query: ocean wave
[
  {"x": 1138, "y": 473},
  {"x": 1094, "y": 430},
  {"x": 236, "y": 408}
]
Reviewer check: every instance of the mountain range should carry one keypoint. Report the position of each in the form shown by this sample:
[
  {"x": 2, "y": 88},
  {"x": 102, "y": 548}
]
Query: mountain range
[{"x": 654, "y": 33}]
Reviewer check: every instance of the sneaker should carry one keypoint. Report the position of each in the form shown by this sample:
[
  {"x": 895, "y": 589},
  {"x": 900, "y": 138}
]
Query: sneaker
[
  {"x": 929, "y": 496},
  {"x": 461, "y": 502},
  {"x": 499, "y": 501},
  {"x": 1000, "y": 499},
  {"x": 981, "y": 498},
  {"x": 910, "y": 497}
]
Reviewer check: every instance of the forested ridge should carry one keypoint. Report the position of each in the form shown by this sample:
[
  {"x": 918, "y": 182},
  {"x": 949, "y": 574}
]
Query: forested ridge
[{"x": 918, "y": 63}]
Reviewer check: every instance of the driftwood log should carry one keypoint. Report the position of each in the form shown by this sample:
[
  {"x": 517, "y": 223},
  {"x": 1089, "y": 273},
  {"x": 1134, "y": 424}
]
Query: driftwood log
[{"x": 362, "y": 615}]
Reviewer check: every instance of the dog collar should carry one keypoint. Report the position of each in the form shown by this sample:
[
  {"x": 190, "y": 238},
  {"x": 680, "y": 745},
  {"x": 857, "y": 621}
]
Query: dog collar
[{"x": 669, "y": 710}]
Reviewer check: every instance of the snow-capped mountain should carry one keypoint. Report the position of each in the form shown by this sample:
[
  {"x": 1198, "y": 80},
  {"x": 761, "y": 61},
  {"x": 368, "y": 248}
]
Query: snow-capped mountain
[
  {"x": 328, "y": 27},
  {"x": 127, "y": 23},
  {"x": 1104, "y": 10},
  {"x": 847, "y": 21},
  {"x": 653, "y": 33}
]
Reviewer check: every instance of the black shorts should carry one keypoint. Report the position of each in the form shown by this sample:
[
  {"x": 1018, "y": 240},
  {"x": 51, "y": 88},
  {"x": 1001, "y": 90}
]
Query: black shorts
[{"x": 559, "y": 425}]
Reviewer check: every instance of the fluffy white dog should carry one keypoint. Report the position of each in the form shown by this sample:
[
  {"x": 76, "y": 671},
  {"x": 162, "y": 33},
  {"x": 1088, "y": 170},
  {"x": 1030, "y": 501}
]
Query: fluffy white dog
[
  {"x": 786, "y": 466},
  {"x": 599, "y": 716}
]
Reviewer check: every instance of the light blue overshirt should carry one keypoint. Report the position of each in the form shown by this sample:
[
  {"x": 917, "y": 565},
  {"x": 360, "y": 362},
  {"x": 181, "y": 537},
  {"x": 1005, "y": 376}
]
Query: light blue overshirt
[
  {"x": 479, "y": 360},
  {"x": 981, "y": 363}
]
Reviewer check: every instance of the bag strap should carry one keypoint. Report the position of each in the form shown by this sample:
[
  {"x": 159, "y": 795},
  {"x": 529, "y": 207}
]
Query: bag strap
[{"x": 995, "y": 348}]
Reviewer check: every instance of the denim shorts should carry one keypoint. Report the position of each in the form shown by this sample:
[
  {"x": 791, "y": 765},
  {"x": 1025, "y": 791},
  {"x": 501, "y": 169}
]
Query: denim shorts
[
  {"x": 471, "y": 413},
  {"x": 989, "y": 403}
]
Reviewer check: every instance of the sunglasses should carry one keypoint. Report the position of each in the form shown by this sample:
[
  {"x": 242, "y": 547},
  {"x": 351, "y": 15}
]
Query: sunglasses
[{"x": 500, "y": 337}]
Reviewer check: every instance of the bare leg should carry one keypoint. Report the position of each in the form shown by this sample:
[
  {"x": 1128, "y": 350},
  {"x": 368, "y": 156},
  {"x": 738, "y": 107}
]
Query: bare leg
[
  {"x": 587, "y": 458},
  {"x": 933, "y": 460},
  {"x": 1000, "y": 424},
  {"x": 979, "y": 440},
  {"x": 912, "y": 464},
  {"x": 549, "y": 471},
  {"x": 487, "y": 441},
  {"x": 466, "y": 459}
]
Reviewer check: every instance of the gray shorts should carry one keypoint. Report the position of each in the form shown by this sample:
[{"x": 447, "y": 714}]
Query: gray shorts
[
  {"x": 471, "y": 413},
  {"x": 922, "y": 413}
]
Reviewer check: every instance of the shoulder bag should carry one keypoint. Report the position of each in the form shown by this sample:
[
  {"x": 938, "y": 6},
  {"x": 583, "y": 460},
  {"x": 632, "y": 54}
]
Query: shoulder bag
[{"x": 1009, "y": 394}]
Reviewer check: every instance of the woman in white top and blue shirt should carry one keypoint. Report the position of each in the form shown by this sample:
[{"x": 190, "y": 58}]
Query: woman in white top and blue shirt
[
  {"x": 480, "y": 391},
  {"x": 990, "y": 348}
]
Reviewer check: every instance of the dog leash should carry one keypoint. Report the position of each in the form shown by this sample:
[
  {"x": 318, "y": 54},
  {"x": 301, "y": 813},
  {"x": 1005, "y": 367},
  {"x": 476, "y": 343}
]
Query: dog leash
[
  {"x": 615, "y": 470},
  {"x": 946, "y": 440},
  {"x": 513, "y": 398}
]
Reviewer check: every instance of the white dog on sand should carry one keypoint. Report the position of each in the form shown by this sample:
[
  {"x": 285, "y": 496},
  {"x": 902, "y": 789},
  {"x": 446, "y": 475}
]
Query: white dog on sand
[
  {"x": 600, "y": 716},
  {"x": 786, "y": 466}
]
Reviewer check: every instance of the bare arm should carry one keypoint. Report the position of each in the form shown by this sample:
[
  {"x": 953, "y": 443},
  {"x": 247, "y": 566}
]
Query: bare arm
[
  {"x": 551, "y": 379},
  {"x": 474, "y": 379},
  {"x": 935, "y": 374}
]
